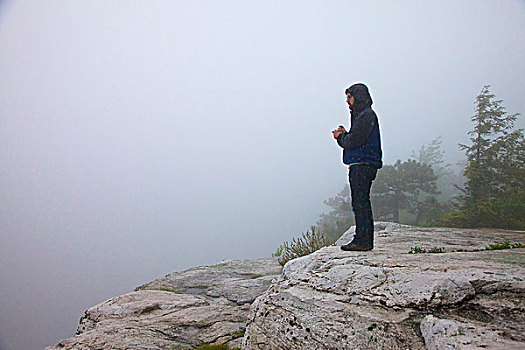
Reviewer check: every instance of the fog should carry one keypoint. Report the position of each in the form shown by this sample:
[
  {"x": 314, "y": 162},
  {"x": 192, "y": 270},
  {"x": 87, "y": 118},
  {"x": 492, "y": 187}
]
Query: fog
[{"x": 138, "y": 138}]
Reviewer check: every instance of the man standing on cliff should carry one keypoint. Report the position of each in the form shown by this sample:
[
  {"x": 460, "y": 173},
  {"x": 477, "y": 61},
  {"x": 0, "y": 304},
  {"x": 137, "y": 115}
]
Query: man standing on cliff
[{"x": 362, "y": 153}]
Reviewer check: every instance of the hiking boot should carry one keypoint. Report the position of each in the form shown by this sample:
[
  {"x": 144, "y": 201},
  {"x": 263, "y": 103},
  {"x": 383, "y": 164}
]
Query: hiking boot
[{"x": 355, "y": 247}]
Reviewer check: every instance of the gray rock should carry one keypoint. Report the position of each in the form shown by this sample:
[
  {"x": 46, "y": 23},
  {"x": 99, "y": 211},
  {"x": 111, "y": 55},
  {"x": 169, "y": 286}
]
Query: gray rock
[
  {"x": 183, "y": 310},
  {"x": 465, "y": 298},
  {"x": 443, "y": 334},
  {"x": 380, "y": 228},
  {"x": 389, "y": 299},
  {"x": 239, "y": 281}
]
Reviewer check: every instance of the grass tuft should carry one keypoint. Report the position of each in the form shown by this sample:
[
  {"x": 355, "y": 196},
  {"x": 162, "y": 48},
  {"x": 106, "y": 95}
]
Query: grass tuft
[
  {"x": 279, "y": 251},
  {"x": 504, "y": 245},
  {"x": 437, "y": 250},
  {"x": 419, "y": 250},
  {"x": 499, "y": 246},
  {"x": 239, "y": 334},
  {"x": 310, "y": 241}
]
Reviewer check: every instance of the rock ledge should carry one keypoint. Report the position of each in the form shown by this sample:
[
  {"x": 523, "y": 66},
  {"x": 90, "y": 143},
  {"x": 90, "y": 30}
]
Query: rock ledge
[
  {"x": 390, "y": 299},
  {"x": 183, "y": 310},
  {"x": 465, "y": 298}
]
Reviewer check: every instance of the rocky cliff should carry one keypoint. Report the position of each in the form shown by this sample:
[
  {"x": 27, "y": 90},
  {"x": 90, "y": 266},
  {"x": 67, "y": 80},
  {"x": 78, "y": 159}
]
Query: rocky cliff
[
  {"x": 183, "y": 310},
  {"x": 460, "y": 296},
  {"x": 450, "y": 293}
]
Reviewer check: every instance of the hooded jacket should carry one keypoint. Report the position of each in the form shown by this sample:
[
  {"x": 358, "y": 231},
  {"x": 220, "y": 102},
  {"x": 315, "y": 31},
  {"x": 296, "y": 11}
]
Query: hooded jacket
[{"x": 362, "y": 144}]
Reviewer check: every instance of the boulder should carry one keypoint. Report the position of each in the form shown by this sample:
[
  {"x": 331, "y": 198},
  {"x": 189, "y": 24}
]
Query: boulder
[{"x": 183, "y": 310}]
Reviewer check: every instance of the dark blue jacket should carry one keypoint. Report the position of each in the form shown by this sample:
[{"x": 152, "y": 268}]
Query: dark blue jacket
[{"x": 363, "y": 143}]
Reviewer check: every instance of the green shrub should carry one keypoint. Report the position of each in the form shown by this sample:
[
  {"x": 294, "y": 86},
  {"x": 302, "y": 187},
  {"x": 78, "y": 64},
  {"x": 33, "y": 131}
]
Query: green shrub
[
  {"x": 307, "y": 244},
  {"x": 505, "y": 212}
]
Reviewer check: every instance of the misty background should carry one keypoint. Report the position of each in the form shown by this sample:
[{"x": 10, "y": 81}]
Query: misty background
[{"x": 138, "y": 138}]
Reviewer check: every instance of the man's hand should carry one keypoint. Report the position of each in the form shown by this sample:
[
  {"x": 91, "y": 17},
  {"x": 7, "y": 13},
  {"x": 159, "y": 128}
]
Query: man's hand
[{"x": 338, "y": 131}]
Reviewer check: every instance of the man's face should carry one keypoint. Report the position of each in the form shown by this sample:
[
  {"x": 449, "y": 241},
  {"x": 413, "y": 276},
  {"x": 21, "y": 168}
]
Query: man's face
[{"x": 350, "y": 100}]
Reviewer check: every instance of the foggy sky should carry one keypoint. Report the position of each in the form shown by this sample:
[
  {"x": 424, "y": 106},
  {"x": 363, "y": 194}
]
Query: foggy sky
[{"x": 138, "y": 138}]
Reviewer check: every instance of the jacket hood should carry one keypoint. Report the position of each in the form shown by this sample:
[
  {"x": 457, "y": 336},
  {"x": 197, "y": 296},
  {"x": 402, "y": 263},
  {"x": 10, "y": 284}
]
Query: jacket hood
[{"x": 362, "y": 98}]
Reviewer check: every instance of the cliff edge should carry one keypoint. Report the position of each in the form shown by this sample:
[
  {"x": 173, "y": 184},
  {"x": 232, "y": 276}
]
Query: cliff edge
[
  {"x": 449, "y": 293},
  {"x": 182, "y": 310}
]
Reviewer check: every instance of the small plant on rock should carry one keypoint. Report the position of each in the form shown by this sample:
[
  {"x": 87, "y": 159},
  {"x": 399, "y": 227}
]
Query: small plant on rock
[
  {"x": 437, "y": 250},
  {"x": 417, "y": 250},
  {"x": 498, "y": 246},
  {"x": 279, "y": 251},
  {"x": 309, "y": 242},
  {"x": 504, "y": 245}
]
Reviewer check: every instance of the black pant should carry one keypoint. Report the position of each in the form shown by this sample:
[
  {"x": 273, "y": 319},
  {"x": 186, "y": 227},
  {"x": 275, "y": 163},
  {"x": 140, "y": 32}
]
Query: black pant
[{"x": 361, "y": 177}]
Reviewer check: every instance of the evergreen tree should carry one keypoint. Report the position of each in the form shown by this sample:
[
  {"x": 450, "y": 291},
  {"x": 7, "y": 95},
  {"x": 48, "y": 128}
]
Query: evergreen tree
[
  {"x": 494, "y": 194},
  {"x": 404, "y": 185},
  {"x": 490, "y": 139},
  {"x": 430, "y": 208},
  {"x": 340, "y": 218},
  {"x": 432, "y": 155}
]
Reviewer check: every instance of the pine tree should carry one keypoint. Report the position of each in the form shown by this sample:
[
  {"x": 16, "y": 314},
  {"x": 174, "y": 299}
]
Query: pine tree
[
  {"x": 431, "y": 208},
  {"x": 491, "y": 128},
  {"x": 340, "y": 218},
  {"x": 431, "y": 154},
  {"x": 489, "y": 140},
  {"x": 494, "y": 194},
  {"x": 403, "y": 185}
]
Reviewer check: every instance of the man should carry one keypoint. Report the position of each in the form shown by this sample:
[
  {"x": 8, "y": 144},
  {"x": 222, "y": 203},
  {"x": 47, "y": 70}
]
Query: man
[{"x": 362, "y": 153}]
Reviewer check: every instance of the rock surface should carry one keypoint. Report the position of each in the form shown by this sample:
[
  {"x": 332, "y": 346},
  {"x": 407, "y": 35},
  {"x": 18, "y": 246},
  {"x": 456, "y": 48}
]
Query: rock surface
[
  {"x": 183, "y": 310},
  {"x": 390, "y": 299},
  {"x": 465, "y": 298}
]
